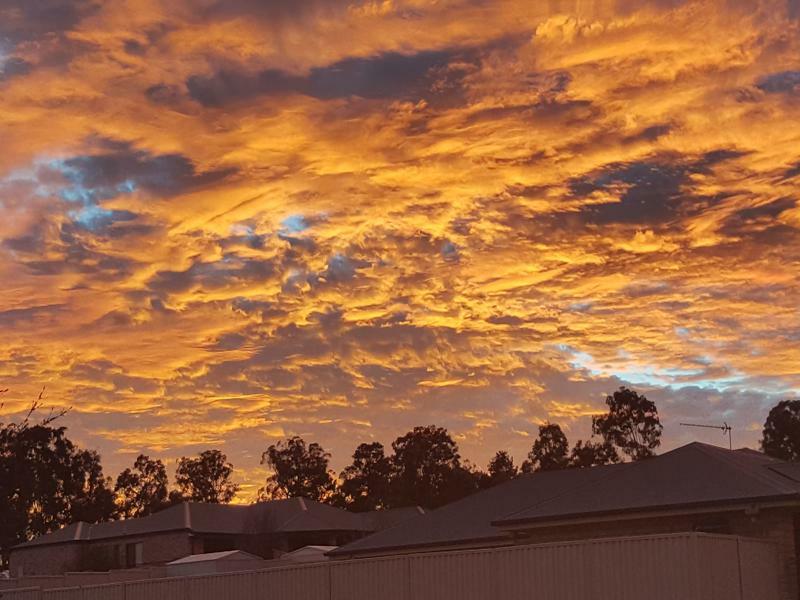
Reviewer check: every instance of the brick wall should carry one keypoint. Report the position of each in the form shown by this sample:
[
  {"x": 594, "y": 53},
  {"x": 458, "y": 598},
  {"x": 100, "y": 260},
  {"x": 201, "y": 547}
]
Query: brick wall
[
  {"x": 45, "y": 560},
  {"x": 777, "y": 526},
  {"x": 56, "y": 559},
  {"x": 157, "y": 548}
]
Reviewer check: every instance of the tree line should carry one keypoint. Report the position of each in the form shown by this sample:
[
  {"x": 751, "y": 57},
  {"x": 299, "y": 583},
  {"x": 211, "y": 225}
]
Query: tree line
[
  {"x": 426, "y": 469},
  {"x": 46, "y": 481}
]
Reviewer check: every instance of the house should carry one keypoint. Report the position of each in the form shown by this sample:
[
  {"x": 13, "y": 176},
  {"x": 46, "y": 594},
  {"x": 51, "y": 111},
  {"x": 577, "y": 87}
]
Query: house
[
  {"x": 265, "y": 529},
  {"x": 695, "y": 488}
]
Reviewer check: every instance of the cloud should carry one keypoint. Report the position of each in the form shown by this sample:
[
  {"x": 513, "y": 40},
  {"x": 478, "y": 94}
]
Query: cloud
[
  {"x": 651, "y": 191},
  {"x": 230, "y": 272},
  {"x": 24, "y": 21},
  {"x": 20, "y": 316},
  {"x": 786, "y": 82},
  {"x": 242, "y": 220},
  {"x": 13, "y": 67},
  {"x": 120, "y": 168},
  {"x": 391, "y": 75}
]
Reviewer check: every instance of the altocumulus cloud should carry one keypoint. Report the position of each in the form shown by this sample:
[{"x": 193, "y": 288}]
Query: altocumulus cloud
[{"x": 241, "y": 220}]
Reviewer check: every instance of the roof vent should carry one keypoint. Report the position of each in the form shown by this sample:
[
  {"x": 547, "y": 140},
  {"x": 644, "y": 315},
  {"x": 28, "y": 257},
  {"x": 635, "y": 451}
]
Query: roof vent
[{"x": 303, "y": 504}]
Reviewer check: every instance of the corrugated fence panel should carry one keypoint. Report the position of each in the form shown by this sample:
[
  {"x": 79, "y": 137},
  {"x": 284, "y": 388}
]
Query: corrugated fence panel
[
  {"x": 295, "y": 583},
  {"x": 555, "y": 570},
  {"x": 104, "y": 592},
  {"x": 760, "y": 571},
  {"x": 63, "y": 594},
  {"x": 159, "y": 589},
  {"x": 512, "y": 573},
  {"x": 655, "y": 568},
  {"x": 229, "y": 586},
  {"x": 10, "y": 584},
  {"x": 718, "y": 565},
  {"x": 21, "y": 594},
  {"x": 669, "y": 567},
  {"x": 384, "y": 578},
  {"x": 45, "y": 582}
]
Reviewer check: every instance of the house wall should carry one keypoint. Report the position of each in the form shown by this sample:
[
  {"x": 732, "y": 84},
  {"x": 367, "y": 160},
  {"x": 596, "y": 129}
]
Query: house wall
[
  {"x": 157, "y": 548},
  {"x": 100, "y": 555},
  {"x": 45, "y": 560}
]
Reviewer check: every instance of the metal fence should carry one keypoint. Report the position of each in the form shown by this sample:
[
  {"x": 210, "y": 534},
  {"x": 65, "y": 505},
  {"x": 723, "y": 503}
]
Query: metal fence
[
  {"x": 688, "y": 566},
  {"x": 67, "y": 580}
]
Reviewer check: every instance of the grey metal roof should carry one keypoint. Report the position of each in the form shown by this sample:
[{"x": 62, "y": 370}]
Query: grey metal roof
[
  {"x": 378, "y": 520},
  {"x": 226, "y": 555},
  {"x": 691, "y": 476},
  {"x": 291, "y": 515}
]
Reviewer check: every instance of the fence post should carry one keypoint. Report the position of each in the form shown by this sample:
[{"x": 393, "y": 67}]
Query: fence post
[
  {"x": 739, "y": 567},
  {"x": 409, "y": 572}
]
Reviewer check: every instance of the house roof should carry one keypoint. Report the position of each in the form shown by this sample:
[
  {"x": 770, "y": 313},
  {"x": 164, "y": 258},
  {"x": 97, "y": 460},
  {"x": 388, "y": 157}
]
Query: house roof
[
  {"x": 693, "y": 476},
  {"x": 215, "y": 556},
  {"x": 378, "y": 520},
  {"x": 308, "y": 554},
  {"x": 277, "y": 516}
]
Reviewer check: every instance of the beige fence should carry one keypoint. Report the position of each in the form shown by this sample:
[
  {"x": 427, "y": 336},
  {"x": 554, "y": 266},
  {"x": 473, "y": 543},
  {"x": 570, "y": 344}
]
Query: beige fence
[
  {"x": 669, "y": 567},
  {"x": 67, "y": 580}
]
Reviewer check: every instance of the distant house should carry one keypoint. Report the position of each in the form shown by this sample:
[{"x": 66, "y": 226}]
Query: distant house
[
  {"x": 693, "y": 488},
  {"x": 266, "y": 529}
]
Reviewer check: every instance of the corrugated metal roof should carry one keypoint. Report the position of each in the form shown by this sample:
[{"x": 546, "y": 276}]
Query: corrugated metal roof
[
  {"x": 378, "y": 520},
  {"x": 212, "y": 556},
  {"x": 692, "y": 475}
]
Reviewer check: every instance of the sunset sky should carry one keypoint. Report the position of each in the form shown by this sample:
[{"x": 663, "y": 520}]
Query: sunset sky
[{"x": 224, "y": 222}]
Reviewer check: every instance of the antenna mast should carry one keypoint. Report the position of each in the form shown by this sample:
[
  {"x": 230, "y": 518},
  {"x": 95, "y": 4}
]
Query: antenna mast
[{"x": 725, "y": 428}]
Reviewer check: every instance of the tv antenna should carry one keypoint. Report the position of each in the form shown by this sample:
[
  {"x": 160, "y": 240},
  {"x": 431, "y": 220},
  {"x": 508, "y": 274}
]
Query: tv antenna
[{"x": 725, "y": 428}]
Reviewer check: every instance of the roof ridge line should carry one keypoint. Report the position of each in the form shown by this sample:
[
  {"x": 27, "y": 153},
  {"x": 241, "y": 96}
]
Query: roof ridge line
[{"x": 721, "y": 454}]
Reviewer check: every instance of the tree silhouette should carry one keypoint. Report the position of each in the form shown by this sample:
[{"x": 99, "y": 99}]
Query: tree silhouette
[
  {"x": 205, "y": 478},
  {"x": 632, "y": 424},
  {"x": 298, "y": 471},
  {"x": 592, "y": 454},
  {"x": 427, "y": 470},
  {"x": 550, "y": 451},
  {"x": 142, "y": 490},
  {"x": 365, "y": 483},
  {"x": 781, "y": 435},
  {"x": 46, "y": 481},
  {"x": 500, "y": 469}
]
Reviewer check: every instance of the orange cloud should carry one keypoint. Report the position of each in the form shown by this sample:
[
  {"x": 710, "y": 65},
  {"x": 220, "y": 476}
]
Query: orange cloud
[{"x": 227, "y": 222}]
